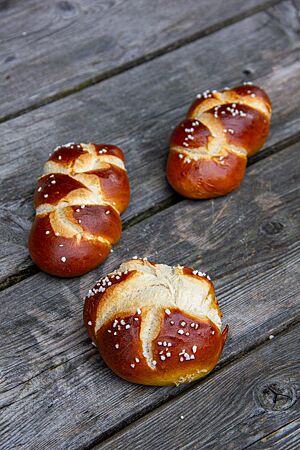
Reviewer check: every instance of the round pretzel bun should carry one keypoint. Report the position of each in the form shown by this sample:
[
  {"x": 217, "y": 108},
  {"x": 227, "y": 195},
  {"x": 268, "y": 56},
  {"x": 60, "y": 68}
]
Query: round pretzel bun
[{"x": 155, "y": 324}]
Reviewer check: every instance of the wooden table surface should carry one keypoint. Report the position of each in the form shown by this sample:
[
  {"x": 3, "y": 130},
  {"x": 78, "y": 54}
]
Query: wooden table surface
[{"x": 124, "y": 72}]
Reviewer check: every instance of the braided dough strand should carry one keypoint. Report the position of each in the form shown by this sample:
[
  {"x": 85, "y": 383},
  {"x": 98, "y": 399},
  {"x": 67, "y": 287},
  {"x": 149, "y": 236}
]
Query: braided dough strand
[
  {"x": 209, "y": 149},
  {"x": 79, "y": 198}
]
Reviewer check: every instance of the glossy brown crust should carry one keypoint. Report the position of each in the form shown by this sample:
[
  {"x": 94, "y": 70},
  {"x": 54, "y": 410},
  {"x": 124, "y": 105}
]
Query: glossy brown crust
[
  {"x": 123, "y": 352},
  {"x": 205, "y": 178},
  {"x": 92, "y": 302},
  {"x": 209, "y": 160},
  {"x": 67, "y": 155},
  {"x": 185, "y": 348},
  {"x": 201, "y": 134},
  {"x": 52, "y": 188},
  {"x": 60, "y": 256},
  {"x": 249, "y": 132},
  {"x": 243, "y": 91},
  {"x": 114, "y": 185},
  {"x": 250, "y": 89},
  {"x": 72, "y": 235},
  {"x": 100, "y": 221},
  {"x": 110, "y": 150},
  {"x": 176, "y": 367},
  {"x": 203, "y": 334}
]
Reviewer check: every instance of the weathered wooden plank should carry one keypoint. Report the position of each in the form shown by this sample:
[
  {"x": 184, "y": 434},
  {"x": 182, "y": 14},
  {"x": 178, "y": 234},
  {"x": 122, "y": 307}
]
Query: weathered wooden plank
[
  {"x": 51, "y": 48},
  {"x": 232, "y": 409},
  {"x": 137, "y": 111},
  {"x": 287, "y": 438},
  {"x": 55, "y": 389}
]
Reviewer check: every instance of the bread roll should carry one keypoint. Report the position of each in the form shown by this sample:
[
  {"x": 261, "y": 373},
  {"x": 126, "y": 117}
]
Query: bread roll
[
  {"x": 155, "y": 324},
  {"x": 209, "y": 149},
  {"x": 78, "y": 201}
]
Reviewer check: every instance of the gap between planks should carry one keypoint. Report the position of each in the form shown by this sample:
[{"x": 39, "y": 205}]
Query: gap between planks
[
  {"x": 128, "y": 424},
  {"x": 159, "y": 207},
  {"x": 66, "y": 120},
  {"x": 285, "y": 199},
  {"x": 291, "y": 427},
  {"x": 141, "y": 60}
]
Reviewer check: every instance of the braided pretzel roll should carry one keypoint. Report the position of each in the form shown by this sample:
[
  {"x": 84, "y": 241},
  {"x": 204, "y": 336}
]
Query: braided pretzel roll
[
  {"x": 78, "y": 200},
  {"x": 155, "y": 324},
  {"x": 209, "y": 149}
]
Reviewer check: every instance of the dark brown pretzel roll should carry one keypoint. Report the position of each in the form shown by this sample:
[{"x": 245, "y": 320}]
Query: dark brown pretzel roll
[
  {"x": 78, "y": 201},
  {"x": 209, "y": 149},
  {"x": 155, "y": 324}
]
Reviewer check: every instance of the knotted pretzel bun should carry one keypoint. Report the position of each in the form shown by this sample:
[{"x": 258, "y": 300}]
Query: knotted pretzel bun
[
  {"x": 209, "y": 149},
  {"x": 78, "y": 201},
  {"x": 155, "y": 324}
]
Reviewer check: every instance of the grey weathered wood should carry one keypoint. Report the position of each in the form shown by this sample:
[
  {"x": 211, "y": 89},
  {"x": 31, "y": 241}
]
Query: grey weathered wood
[
  {"x": 51, "y": 48},
  {"x": 287, "y": 438},
  {"x": 56, "y": 391},
  {"x": 232, "y": 409},
  {"x": 138, "y": 109}
]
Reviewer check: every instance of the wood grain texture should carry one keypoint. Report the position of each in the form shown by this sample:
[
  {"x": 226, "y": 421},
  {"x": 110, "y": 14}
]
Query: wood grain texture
[
  {"x": 287, "y": 438},
  {"x": 56, "y": 391},
  {"x": 232, "y": 409},
  {"x": 50, "y": 48},
  {"x": 137, "y": 110}
]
